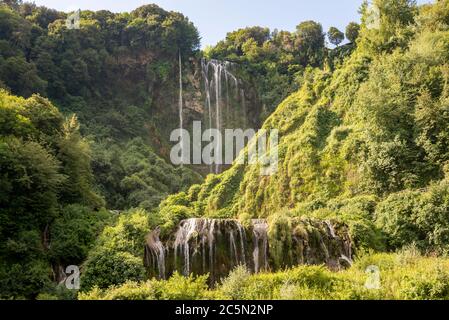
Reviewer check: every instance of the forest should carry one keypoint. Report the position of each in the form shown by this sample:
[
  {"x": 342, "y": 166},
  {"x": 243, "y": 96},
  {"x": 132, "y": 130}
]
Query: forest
[{"x": 358, "y": 208}]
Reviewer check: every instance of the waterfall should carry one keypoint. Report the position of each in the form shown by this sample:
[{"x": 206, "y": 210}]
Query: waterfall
[
  {"x": 216, "y": 246},
  {"x": 213, "y": 72},
  {"x": 183, "y": 236},
  {"x": 208, "y": 107},
  {"x": 242, "y": 236},
  {"x": 233, "y": 247},
  {"x": 211, "y": 241},
  {"x": 242, "y": 93},
  {"x": 156, "y": 250},
  {"x": 331, "y": 228},
  {"x": 181, "y": 105},
  {"x": 208, "y": 244},
  {"x": 260, "y": 253}
]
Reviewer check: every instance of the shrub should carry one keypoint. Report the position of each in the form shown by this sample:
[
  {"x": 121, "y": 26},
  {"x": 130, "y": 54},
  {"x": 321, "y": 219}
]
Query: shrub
[
  {"x": 417, "y": 216},
  {"x": 106, "y": 268},
  {"x": 74, "y": 233},
  {"x": 233, "y": 286},
  {"x": 175, "y": 288},
  {"x": 118, "y": 254}
]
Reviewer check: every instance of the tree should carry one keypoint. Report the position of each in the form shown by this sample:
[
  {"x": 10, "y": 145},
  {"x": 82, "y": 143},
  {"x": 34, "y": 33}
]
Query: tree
[
  {"x": 75, "y": 156},
  {"x": 117, "y": 256},
  {"x": 385, "y": 24},
  {"x": 335, "y": 36},
  {"x": 310, "y": 34},
  {"x": 14, "y": 4},
  {"x": 352, "y": 31},
  {"x": 309, "y": 42},
  {"x": 45, "y": 165}
]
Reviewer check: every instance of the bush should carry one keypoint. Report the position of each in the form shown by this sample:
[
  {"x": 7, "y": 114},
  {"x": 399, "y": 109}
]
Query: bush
[
  {"x": 118, "y": 254},
  {"x": 74, "y": 233},
  {"x": 106, "y": 268},
  {"x": 434, "y": 286},
  {"x": 24, "y": 280},
  {"x": 175, "y": 288},
  {"x": 405, "y": 275},
  {"x": 233, "y": 286},
  {"x": 419, "y": 217},
  {"x": 179, "y": 287}
]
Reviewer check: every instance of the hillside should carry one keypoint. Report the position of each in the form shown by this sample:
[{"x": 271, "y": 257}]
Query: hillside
[
  {"x": 77, "y": 69},
  {"x": 362, "y": 177},
  {"x": 365, "y": 143}
]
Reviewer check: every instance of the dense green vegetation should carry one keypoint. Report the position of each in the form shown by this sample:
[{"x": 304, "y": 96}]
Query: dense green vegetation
[
  {"x": 55, "y": 182},
  {"x": 274, "y": 61},
  {"x": 404, "y": 276},
  {"x": 365, "y": 144},
  {"x": 364, "y": 141},
  {"x": 77, "y": 70},
  {"x": 50, "y": 213}
]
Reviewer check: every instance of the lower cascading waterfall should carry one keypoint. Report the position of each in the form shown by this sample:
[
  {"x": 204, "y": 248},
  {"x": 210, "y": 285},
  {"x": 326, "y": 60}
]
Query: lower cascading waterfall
[{"x": 216, "y": 246}]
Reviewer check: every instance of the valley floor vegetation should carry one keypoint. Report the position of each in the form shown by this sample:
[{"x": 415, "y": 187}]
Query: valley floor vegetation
[{"x": 403, "y": 276}]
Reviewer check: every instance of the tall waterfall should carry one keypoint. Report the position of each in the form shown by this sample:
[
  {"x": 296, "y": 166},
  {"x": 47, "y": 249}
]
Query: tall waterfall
[
  {"x": 181, "y": 104},
  {"x": 216, "y": 246},
  {"x": 218, "y": 97}
]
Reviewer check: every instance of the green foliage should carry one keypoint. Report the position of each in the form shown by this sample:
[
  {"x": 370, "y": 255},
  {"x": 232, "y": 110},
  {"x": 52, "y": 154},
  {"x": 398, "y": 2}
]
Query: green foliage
[
  {"x": 418, "y": 217},
  {"x": 75, "y": 155},
  {"x": 358, "y": 143},
  {"x": 118, "y": 253},
  {"x": 386, "y": 24},
  {"x": 24, "y": 279},
  {"x": 74, "y": 233},
  {"x": 273, "y": 61},
  {"x": 359, "y": 214},
  {"x": 47, "y": 176},
  {"x": 176, "y": 288},
  {"x": 129, "y": 291},
  {"x": 106, "y": 267},
  {"x": 363, "y": 142},
  {"x": 55, "y": 291},
  {"x": 179, "y": 287},
  {"x": 172, "y": 215},
  {"x": 35, "y": 179},
  {"x": 398, "y": 275},
  {"x": 78, "y": 70},
  {"x": 405, "y": 275},
  {"x": 335, "y": 36},
  {"x": 135, "y": 176},
  {"x": 352, "y": 31},
  {"x": 232, "y": 287},
  {"x": 310, "y": 40},
  {"x": 428, "y": 287}
]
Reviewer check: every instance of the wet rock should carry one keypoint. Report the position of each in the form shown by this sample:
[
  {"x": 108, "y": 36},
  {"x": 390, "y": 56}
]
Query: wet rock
[{"x": 216, "y": 246}]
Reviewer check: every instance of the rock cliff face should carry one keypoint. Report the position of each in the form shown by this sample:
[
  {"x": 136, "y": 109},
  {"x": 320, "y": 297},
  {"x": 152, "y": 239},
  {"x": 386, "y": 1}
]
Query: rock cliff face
[{"x": 215, "y": 247}]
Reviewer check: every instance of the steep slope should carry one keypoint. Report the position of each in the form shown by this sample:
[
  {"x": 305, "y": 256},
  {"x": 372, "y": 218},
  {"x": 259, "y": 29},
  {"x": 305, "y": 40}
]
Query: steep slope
[
  {"x": 50, "y": 213},
  {"x": 119, "y": 74},
  {"x": 365, "y": 144}
]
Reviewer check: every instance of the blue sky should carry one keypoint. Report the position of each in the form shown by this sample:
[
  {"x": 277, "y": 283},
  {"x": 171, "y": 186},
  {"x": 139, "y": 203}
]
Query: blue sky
[{"x": 214, "y": 18}]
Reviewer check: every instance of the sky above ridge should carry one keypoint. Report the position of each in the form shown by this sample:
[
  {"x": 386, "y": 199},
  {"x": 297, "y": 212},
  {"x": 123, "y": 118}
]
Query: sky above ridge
[{"x": 215, "y": 18}]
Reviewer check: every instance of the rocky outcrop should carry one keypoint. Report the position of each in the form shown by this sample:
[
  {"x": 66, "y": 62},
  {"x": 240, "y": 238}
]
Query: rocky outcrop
[{"x": 215, "y": 247}]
